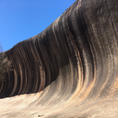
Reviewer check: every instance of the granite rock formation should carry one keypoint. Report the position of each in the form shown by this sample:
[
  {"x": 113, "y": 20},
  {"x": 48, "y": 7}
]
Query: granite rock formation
[{"x": 70, "y": 70}]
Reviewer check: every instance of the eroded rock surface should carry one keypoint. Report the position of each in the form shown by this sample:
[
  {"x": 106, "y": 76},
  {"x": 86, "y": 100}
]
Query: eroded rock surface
[{"x": 70, "y": 70}]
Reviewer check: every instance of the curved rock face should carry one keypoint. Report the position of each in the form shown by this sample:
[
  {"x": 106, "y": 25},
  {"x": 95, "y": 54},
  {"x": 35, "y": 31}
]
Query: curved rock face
[{"x": 70, "y": 70}]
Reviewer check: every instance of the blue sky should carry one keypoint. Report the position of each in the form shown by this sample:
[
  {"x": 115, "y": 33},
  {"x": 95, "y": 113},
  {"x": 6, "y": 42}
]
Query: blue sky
[{"x": 22, "y": 19}]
